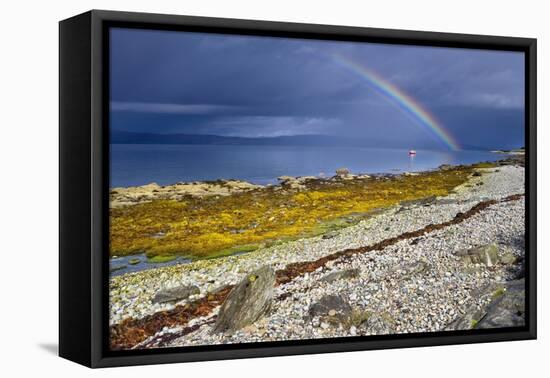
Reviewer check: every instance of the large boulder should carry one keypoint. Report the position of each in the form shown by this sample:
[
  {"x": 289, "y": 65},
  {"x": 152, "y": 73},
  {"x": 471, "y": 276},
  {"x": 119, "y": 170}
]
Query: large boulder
[
  {"x": 507, "y": 309},
  {"x": 174, "y": 294},
  {"x": 247, "y": 302}
]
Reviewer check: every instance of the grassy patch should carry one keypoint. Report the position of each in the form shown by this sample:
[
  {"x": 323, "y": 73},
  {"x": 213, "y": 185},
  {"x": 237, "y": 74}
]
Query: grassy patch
[
  {"x": 218, "y": 226},
  {"x": 161, "y": 258}
]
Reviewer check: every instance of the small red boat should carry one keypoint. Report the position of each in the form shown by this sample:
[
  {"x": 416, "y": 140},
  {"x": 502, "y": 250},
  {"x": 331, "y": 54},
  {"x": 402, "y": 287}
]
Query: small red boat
[{"x": 412, "y": 153}]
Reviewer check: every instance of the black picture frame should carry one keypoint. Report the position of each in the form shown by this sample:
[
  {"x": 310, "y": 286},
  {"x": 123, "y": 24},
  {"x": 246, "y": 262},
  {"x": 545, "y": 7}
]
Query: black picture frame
[{"x": 84, "y": 187}]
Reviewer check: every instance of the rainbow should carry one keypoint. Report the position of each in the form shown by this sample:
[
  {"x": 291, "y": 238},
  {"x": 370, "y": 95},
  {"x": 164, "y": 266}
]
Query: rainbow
[{"x": 405, "y": 102}]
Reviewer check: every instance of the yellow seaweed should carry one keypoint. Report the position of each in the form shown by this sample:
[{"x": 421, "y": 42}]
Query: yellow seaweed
[{"x": 214, "y": 226}]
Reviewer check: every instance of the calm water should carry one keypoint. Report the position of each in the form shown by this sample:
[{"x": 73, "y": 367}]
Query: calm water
[
  {"x": 139, "y": 164},
  {"x": 121, "y": 265}
]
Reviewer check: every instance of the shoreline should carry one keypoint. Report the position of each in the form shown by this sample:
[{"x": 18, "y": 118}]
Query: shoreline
[
  {"x": 121, "y": 196},
  {"x": 131, "y": 293},
  {"x": 427, "y": 159},
  {"x": 288, "y": 189}
]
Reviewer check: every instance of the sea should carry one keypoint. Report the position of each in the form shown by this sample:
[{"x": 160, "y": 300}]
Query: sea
[{"x": 140, "y": 164}]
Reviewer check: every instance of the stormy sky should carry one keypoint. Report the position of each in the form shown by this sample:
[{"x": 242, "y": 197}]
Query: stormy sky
[{"x": 195, "y": 83}]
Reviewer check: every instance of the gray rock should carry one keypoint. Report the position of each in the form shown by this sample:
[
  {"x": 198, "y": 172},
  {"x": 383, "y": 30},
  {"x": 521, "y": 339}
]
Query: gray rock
[
  {"x": 331, "y": 308},
  {"x": 247, "y": 302},
  {"x": 487, "y": 254},
  {"x": 341, "y": 172},
  {"x": 467, "y": 321},
  {"x": 283, "y": 179},
  {"x": 342, "y": 274},
  {"x": 175, "y": 294},
  {"x": 134, "y": 261},
  {"x": 508, "y": 309},
  {"x": 292, "y": 183}
]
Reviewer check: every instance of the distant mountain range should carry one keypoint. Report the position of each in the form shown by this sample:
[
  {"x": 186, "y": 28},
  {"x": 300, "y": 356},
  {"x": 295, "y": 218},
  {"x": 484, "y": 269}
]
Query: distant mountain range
[{"x": 126, "y": 137}]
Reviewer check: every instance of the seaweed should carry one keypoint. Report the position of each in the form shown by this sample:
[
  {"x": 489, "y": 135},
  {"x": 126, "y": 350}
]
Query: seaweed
[{"x": 222, "y": 225}]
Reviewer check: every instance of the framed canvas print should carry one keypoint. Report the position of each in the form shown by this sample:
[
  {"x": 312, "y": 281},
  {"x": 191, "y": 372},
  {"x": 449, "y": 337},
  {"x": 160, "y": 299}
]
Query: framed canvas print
[{"x": 233, "y": 188}]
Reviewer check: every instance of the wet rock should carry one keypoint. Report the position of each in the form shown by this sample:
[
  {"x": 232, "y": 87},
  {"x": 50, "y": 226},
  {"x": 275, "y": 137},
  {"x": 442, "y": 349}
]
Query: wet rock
[
  {"x": 174, "y": 294},
  {"x": 115, "y": 268},
  {"x": 134, "y": 261},
  {"x": 487, "y": 254},
  {"x": 340, "y": 275},
  {"x": 247, "y": 302}
]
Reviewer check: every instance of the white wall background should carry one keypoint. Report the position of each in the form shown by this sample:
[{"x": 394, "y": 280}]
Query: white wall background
[{"x": 29, "y": 185}]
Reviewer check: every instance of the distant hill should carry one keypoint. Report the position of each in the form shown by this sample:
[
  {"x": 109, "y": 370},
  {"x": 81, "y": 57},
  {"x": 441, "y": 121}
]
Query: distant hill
[{"x": 125, "y": 137}]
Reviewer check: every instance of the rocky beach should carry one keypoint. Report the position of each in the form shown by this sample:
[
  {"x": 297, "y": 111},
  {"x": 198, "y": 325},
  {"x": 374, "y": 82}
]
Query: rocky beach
[{"x": 447, "y": 260}]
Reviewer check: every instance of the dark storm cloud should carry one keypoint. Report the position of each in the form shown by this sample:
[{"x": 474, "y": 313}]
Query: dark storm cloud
[{"x": 174, "y": 82}]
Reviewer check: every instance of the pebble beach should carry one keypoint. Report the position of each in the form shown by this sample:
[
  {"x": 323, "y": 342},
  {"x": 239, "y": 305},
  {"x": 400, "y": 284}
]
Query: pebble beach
[{"x": 416, "y": 284}]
